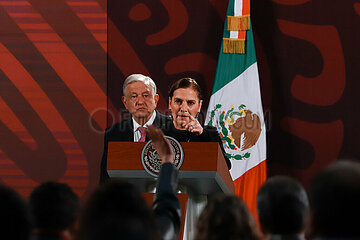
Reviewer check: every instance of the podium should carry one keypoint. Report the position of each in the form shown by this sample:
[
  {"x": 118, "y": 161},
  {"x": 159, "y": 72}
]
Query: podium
[{"x": 203, "y": 172}]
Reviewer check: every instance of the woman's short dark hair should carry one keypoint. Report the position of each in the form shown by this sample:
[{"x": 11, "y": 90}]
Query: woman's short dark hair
[
  {"x": 283, "y": 206},
  {"x": 226, "y": 217},
  {"x": 185, "y": 83},
  {"x": 54, "y": 205}
]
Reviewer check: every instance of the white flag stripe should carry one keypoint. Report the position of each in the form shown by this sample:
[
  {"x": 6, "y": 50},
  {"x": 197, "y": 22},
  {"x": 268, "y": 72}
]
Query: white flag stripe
[
  {"x": 234, "y": 34},
  {"x": 238, "y": 7},
  {"x": 244, "y": 89}
]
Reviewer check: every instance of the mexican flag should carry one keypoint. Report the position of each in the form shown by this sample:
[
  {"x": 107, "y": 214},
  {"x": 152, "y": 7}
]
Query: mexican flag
[{"x": 235, "y": 105}]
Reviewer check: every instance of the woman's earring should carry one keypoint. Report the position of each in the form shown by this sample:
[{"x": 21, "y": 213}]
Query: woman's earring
[
  {"x": 170, "y": 115},
  {"x": 197, "y": 116}
]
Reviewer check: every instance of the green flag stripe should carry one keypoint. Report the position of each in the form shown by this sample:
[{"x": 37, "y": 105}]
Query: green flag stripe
[
  {"x": 230, "y": 12},
  {"x": 230, "y": 66}
]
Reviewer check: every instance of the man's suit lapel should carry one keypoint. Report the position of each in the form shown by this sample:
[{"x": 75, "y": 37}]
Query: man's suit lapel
[
  {"x": 130, "y": 130},
  {"x": 124, "y": 131},
  {"x": 157, "y": 120},
  {"x": 155, "y": 123}
]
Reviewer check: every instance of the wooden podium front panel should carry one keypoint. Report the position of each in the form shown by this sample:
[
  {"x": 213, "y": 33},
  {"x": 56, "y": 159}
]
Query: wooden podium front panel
[
  {"x": 200, "y": 156},
  {"x": 125, "y": 155},
  {"x": 203, "y": 171}
]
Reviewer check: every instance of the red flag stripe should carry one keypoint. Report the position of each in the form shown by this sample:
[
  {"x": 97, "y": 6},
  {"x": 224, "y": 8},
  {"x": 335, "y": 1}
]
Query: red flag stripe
[{"x": 247, "y": 186}]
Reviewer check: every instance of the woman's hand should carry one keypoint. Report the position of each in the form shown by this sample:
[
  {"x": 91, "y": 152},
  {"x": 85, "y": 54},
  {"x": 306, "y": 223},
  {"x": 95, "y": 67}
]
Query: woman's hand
[
  {"x": 161, "y": 144},
  {"x": 194, "y": 126}
]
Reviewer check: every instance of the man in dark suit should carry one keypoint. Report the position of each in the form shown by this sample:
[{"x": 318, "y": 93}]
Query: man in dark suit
[{"x": 140, "y": 99}]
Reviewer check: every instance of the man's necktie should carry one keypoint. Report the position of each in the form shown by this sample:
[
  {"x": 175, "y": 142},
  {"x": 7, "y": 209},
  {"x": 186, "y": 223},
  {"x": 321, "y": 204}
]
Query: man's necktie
[{"x": 142, "y": 134}]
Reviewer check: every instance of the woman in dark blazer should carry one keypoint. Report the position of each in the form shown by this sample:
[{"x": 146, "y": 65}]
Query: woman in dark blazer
[{"x": 185, "y": 102}]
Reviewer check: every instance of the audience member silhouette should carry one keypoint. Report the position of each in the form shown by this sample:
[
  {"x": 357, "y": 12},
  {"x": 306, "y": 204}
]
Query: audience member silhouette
[
  {"x": 226, "y": 217},
  {"x": 15, "y": 218},
  {"x": 283, "y": 209},
  {"x": 335, "y": 201},
  {"x": 55, "y": 208},
  {"x": 117, "y": 210}
]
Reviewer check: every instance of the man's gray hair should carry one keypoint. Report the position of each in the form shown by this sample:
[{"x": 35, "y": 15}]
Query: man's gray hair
[{"x": 137, "y": 77}]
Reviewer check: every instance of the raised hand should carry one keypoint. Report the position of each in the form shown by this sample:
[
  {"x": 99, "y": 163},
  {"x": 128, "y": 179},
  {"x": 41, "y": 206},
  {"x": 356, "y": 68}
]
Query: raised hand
[{"x": 161, "y": 144}]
